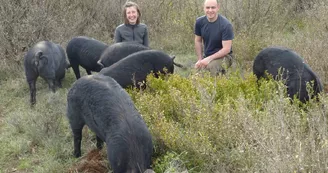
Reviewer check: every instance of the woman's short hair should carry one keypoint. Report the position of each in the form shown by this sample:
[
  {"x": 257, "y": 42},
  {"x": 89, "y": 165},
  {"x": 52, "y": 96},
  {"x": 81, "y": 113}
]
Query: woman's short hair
[{"x": 127, "y": 5}]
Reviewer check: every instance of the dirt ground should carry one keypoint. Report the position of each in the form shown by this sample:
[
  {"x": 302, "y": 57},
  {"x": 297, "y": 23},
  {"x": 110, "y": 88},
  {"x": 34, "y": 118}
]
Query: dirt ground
[{"x": 93, "y": 162}]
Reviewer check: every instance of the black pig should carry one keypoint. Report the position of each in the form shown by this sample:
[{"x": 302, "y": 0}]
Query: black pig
[
  {"x": 278, "y": 61},
  {"x": 133, "y": 69},
  {"x": 48, "y": 60},
  {"x": 85, "y": 52},
  {"x": 106, "y": 108},
  {"x": 118, "y": 51}
]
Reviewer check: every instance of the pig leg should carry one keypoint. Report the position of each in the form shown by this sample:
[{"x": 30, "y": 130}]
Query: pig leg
[
  {"x": 76, "y": 70},
  {"x": 31, "y": 84},
  {"x": 76, "y": 123},
  {"x": 88, "y": 72},
  {"x": 77, "y": 133},
  {"x": 99, "y": 143},
  {"x": 59, "y": 83},
  {"x": 51, "y": 83}
]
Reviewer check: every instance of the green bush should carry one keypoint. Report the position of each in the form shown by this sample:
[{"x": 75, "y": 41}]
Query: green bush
[{"x": 220, "y": 123}]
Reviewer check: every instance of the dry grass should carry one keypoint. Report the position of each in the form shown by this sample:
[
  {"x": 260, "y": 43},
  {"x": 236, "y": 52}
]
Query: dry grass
[{"x": 199, "y": 124}]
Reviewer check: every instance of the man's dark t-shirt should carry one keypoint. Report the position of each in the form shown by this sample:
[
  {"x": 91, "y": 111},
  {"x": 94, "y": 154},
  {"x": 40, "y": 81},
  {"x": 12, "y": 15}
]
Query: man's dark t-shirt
[{"x": 213, "y": 33}]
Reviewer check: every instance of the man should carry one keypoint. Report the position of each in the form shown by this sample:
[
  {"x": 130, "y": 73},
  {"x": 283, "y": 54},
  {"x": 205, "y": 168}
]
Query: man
[{"x": 216, "y": 33}]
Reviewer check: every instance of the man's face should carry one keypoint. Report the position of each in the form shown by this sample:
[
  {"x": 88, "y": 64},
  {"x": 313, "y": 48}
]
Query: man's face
[
  {"x": 211, "y": 9},
  {"x": 132, "y": 15}
]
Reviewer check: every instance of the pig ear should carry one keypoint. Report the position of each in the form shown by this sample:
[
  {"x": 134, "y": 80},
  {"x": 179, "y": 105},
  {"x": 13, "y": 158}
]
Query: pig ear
[
  {"x": 38, "y": 55},
  {"x": 100, "y": 64},
  {"x": 44, "y": 59}
]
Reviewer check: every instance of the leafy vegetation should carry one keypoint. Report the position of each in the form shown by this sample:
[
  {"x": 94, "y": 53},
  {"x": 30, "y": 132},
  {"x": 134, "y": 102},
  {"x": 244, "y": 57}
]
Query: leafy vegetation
[{"x": 199, "y": 123}]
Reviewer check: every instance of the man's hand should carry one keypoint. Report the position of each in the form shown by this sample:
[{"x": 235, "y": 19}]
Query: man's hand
[
  {"x": 206, "y": 61},
  {"x": 197, "y": 65},
  {"x": 203, "y": 63}
]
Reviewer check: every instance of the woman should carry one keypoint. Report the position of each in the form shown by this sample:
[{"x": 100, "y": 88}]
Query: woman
[{"x": 132, "y": 30}]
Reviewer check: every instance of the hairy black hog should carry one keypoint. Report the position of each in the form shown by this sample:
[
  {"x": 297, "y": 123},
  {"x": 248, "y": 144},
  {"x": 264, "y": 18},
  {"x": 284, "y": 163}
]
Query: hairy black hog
[
  {"x": 118, "y": 51},
  {"x": 106, "y": 108},
  {"x": 133, "y": 69},
  {"x": 84, "y": 51},
  {"x": 283, "y": 63},
  {"x": 48, "y": 60}
]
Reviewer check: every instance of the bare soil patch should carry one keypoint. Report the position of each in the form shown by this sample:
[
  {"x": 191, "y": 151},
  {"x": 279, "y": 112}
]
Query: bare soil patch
[{"x": 93, "y": 162}]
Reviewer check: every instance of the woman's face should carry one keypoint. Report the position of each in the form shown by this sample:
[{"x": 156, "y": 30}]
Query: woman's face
[{"x": 132, "y": 15}]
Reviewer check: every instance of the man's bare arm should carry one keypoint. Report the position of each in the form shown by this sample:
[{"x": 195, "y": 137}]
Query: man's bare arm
[
  {"x": 198, "y": 47},
  {"x": 223, "y": 52}
]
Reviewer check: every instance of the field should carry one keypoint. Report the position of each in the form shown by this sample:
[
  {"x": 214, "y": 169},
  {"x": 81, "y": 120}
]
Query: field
[{"x": 199, "y": 123}]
